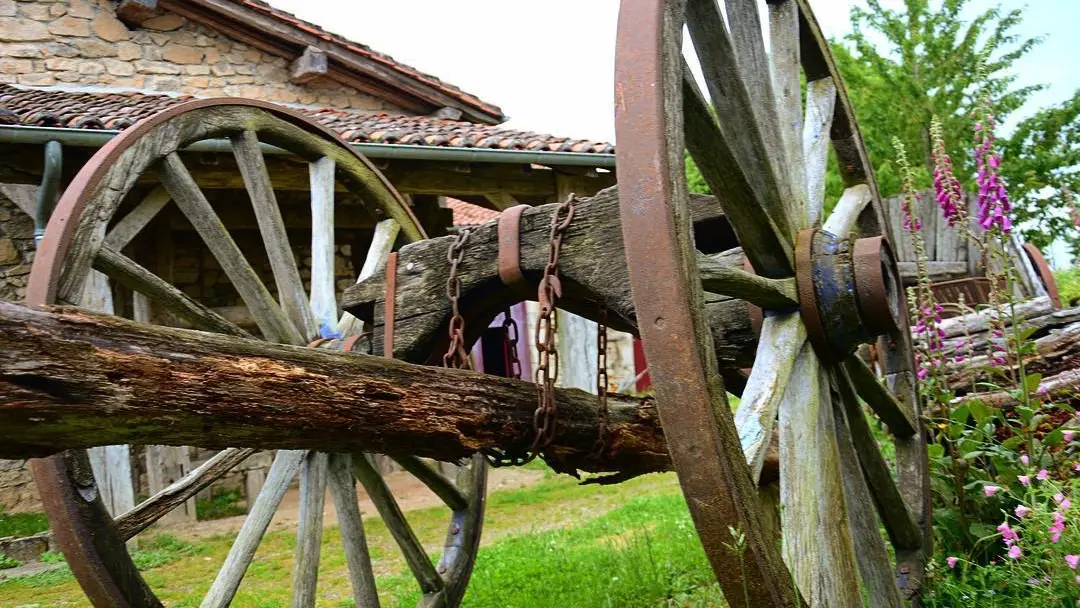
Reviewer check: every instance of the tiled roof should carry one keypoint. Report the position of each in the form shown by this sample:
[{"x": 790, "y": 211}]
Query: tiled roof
[
  {"x": 468, "y": 214},
  {"x": 366, "y": 51},
  {"x": 100, "y": 110}
]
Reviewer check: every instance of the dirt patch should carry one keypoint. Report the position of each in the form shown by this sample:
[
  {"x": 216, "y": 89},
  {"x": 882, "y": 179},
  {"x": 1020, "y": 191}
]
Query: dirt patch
[{"x": 410, "y": 493}]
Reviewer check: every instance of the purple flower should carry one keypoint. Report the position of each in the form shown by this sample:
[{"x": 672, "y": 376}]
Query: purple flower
[
  {"x": 1076, "y": 466},
  {"x": 1015, "y": 552},
  {"x": 1022, "y": 511},
  {"x": 1042, "y": 475},
  {"x": 994, "y": 206},
  {"x": 1024, "y": 459},
  {"x": 1007, "y": 533},
  {"x": 1072, "y": 560},
  {"x": 1024, "y": 480},
  {"x": 951, "y": 561},
  {"x": 1065, "y": 504},
  {"x": 1067, "y": 435},
  {"x": 990, "y": 490},
  {"x": 923, "y": 373}
]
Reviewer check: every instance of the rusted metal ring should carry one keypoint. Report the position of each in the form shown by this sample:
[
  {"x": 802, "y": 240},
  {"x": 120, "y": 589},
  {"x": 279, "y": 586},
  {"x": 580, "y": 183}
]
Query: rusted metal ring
[
  {"x": 510, "y": 249},
  {"x": 877, "y": 285},
  {"x": 1045, "y": 274},
  {"x": 808, "y": 307}
]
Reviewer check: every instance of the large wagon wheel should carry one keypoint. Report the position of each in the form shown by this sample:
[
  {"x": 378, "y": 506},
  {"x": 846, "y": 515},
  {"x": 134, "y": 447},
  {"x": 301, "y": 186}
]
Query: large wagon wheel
[
  {"x": 765, "y": 159},
  {"x": 86, "y": 235}
]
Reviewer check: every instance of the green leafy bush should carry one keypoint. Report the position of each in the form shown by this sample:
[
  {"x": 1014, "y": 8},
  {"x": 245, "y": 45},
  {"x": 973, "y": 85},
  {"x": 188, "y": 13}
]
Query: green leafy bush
[{"x": 226, "y": 504}]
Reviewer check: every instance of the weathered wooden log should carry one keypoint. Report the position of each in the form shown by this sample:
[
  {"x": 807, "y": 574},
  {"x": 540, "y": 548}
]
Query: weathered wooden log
[
  {"x": 70, "y": 378},
  {"x": 1055, "y": 352},
  {"x": 1062, "y": 387},
  {"x": 592, "y": 268}
]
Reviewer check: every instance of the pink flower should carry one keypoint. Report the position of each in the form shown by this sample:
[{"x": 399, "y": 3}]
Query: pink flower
[
  {"x": 1024, "y": 459},
  {"x": 1042, "y": 475},
  {"x": 1024, "y": 480},
  {"x": 990, "y": 490},
  {"x": 1072, "y": 560},
  {"x": 923, "y": 373},
  {"x": 1022, "y": 511},
  {"x": 1015, "y": 552},
  {"x": 1067, "y": 435},
  {"x": 1076, "y": 466},
  {"x": 1059, "y": 497},
  {"x": 1065, "y": 504},
  {"x": 1007, "y": 534},
  {"x": 951, "y": 561}
]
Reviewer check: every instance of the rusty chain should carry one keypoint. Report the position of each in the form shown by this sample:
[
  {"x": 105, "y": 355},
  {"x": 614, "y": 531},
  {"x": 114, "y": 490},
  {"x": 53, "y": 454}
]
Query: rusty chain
[
  {"x": 456, "y": 355},
  {"x": 548, "y": 294},
  {"x": 510, "y": 345},
  {"x": 601, "y": 383}
]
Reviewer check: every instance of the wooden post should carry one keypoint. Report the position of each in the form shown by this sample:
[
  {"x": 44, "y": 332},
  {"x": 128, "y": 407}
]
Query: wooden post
[
  {"x": 164, "y": 466},
  {"x": 112, "y": 463}
]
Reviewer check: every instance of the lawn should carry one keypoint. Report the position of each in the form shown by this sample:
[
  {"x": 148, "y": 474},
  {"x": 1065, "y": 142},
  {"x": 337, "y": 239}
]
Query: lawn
[{"x": 555, "y": 543}]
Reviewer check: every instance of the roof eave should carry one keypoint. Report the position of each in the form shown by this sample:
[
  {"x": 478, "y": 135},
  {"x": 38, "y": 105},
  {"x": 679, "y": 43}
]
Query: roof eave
[{"x": 382, "y": 79}]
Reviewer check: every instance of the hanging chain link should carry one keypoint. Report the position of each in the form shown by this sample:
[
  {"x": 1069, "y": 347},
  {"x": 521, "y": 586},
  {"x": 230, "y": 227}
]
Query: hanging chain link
[
  {"x": 456, "y": 355},
  {"x": 510, "y": 345},
  {"x": 547, "y": 370},
  {"x": 601, "y": 383}
]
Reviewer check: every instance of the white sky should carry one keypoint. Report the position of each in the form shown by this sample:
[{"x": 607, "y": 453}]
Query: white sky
[{"x": 550, "y": 64}]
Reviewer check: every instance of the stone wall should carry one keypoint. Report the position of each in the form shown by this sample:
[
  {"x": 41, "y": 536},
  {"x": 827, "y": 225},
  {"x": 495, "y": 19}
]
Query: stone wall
[
  {"x": 73, "y": 43},
  {"x": 16, "y": 250}
]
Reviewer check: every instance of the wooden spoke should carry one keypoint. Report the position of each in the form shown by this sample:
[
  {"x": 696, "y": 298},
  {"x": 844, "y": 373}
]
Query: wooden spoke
[
  {"x": 902, "y": 529},
  {"x": 787, "y": 72},
  {"x": 715, "y": 157},
  {"x": 820, "y": 105},
  {"x": 879, "y": 586},
  {"x": 152, "y": 509},
  {"x": 343, "y": 493},
  {"x": 130, "y": 274},
  {"x": 415, "y": 556},
  {"x": 744, "y": 20},
  {"x": 133, "y": 223},
  {"x": 435, "y": 481},
  {"x": 734, "y": 92},
  {"x": 386, "y": 232},
  {"x": 291, "y": 294},
  {"x": 880, "y": 399},
  {"x": 782, "y": 339},
  {"x": 222, "y": 591},
  {"x": 770, "y": 294},
  {"x": 814, "y": 518},
  {"x": 272, "y": 321},
  {"x": 846, "y": 214},
  {"x": 323, "y": 289},
  {"x": 309, "y": 532}
]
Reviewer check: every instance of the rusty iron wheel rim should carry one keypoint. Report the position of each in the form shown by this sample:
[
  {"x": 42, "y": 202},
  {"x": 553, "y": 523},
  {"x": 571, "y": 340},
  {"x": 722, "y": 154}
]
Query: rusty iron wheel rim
[
  {"x": 83, "y": 529},
  {"x": 650, "y": 175},
  {"x": 877, "y": 285},
  {"x": 1046, "y": 275}
]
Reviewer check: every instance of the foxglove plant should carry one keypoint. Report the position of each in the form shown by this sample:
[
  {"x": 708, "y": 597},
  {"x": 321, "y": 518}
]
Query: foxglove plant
[
  {"x": 948, "y": 193},
  {"x": 925, "y": 310}
]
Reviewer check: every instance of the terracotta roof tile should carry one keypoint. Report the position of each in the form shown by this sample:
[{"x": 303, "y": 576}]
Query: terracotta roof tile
[
  {"x": 366, "y": 51},
  {"x": 100, "y": 110},
  {"x": 468, "y": 214}
]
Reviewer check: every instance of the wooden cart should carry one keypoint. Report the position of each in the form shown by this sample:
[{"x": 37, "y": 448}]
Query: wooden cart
[{"x": 781, "y": 286}]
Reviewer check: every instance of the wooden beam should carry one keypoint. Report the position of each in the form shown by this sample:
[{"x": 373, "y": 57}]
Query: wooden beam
[
  {"x": 311, "y": 64},
  {"x": 592, "y": 267},
  {"x": 501, "y": 201},
  {"x": 70, "y": 378}
]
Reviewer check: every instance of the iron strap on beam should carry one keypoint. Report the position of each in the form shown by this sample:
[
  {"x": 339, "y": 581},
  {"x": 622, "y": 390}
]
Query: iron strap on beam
[{"x": 96, "y": 138}]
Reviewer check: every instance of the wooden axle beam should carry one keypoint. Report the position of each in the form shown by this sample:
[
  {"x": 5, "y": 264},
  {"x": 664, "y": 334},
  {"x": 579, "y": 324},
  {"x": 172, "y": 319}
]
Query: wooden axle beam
[{"x": 70, "y": 378}]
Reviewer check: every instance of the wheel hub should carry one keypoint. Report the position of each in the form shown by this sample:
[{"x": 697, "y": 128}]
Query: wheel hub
[{"x": 849, "y": 291}]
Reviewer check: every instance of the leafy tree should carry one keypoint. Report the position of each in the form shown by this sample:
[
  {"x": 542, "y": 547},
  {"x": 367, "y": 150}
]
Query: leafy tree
[
  {"x": 1040, "y": 160},
  {"x": 932, "y": 63}
]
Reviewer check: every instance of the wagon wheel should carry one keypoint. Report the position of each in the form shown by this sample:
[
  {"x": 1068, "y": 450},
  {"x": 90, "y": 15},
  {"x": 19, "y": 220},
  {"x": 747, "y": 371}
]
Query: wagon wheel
[
  {"x": 764, "y": 158},
  {"x": 86, "y": 236}
]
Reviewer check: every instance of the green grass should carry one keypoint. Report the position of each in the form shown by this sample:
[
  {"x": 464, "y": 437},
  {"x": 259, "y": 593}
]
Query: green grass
[
  {"x": 644, "y": 553},
  {"x": 226, "y": 504},
  {"x": 22, "y": 524},
  {"x": 8, "y": 562},
  {"x": 553, "y": 543}
]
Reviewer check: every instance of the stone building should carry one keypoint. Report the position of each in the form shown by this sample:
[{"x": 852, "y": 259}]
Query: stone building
[{"x": 76, "y": 72}]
